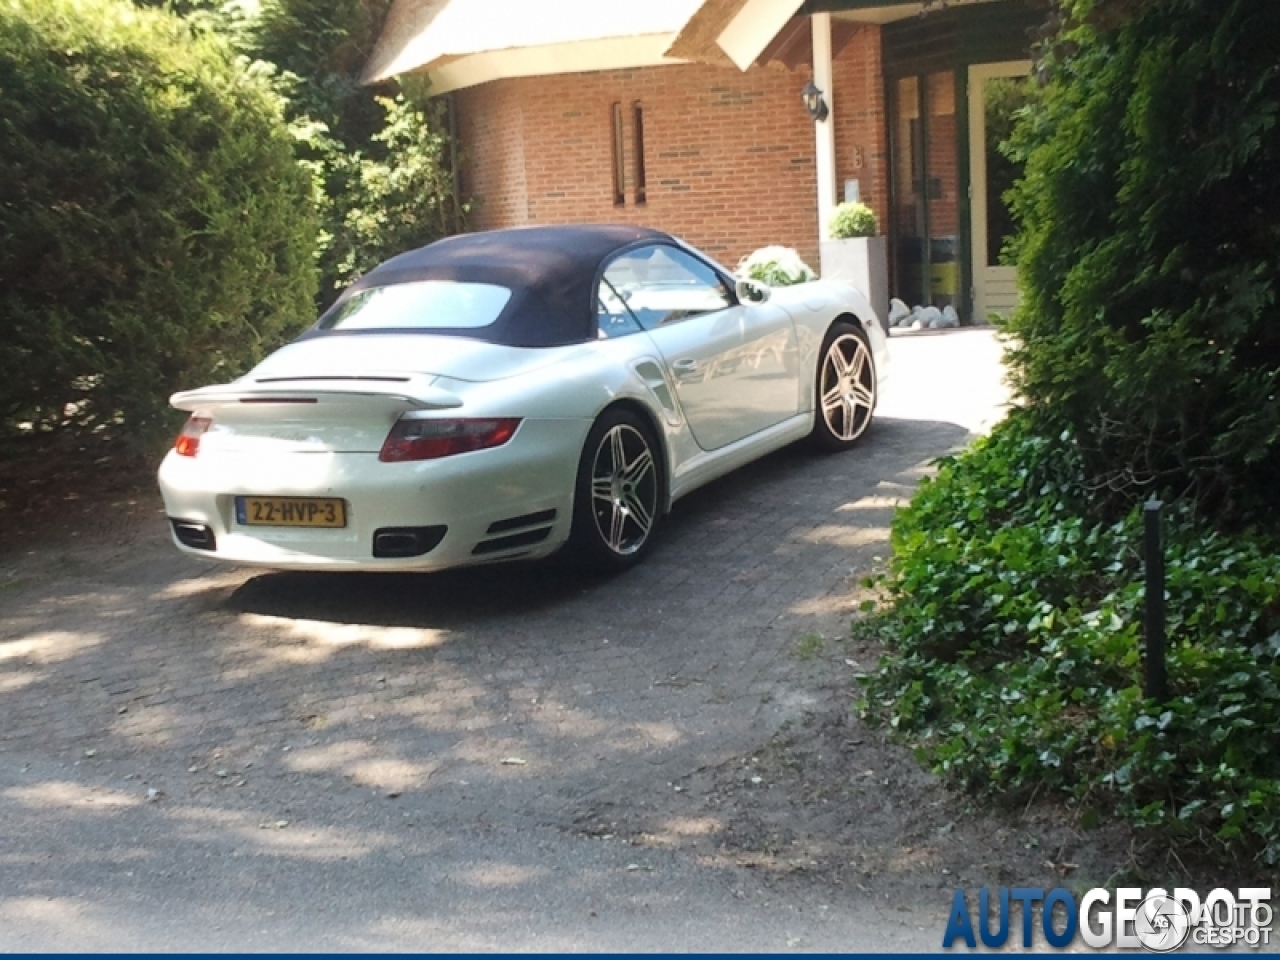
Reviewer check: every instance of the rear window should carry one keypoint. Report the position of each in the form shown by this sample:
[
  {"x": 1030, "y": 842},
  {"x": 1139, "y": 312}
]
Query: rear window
[{"x": 421, "y": 305}]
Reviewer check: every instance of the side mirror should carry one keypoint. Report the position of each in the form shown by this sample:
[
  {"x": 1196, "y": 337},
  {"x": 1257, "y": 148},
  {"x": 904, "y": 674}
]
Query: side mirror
[{"x": 751, "y": 291}]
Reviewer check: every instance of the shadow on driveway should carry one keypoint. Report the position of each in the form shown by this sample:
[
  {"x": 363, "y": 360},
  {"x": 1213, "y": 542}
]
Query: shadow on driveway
[{"x": 753, "y": 511}]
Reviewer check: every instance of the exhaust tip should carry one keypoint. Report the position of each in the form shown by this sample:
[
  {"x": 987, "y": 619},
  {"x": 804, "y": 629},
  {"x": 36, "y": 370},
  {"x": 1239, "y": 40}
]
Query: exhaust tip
[
  {"x": 400, "y": 542},
  {"x": 198, "y": 536}
]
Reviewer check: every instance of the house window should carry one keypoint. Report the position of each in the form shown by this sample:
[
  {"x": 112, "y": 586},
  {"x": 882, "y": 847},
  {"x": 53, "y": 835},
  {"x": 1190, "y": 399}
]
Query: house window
[
  {"x": 637, "y": 116},
  {"x": 619, "y": 159}
]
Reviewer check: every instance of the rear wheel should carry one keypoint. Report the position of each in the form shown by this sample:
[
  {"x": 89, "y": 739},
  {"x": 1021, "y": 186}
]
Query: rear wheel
[
  {"x": 618, "y": 499},
  {"x": 845, "y": 388}
]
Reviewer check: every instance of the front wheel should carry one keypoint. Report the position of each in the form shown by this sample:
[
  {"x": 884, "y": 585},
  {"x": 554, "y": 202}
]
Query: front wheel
[
  {"x": 618, "y": 498},
  {"x": 845, "y": 388}
]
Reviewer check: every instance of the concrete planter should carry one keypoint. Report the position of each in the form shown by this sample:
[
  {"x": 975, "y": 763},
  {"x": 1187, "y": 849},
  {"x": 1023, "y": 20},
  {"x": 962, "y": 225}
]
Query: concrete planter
[{"x": 861, "y": 262}]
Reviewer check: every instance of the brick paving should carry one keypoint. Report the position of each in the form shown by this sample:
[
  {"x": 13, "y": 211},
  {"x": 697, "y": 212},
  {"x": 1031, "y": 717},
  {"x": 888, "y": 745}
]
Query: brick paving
[
  {"x": 133, "y": 647},
  {"x": 503, "y": 695}
]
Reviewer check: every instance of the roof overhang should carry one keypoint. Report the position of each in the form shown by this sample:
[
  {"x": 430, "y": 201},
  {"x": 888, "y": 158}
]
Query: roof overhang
[
  {"x": 744, "y": 32},
  {"x": 881, "y": 11},
  {"x": 462, "y": 43},
  {"x": 447, "y": 74},
  {"x": 733, "y": 31}
]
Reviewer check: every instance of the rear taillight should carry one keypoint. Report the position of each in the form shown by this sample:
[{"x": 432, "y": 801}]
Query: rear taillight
[
  {"x": 420, "y": 439},
  {"x": 188, "y": 442}
]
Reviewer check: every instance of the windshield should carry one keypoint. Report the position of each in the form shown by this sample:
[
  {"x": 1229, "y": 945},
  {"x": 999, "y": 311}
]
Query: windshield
[{"x": 421, "y": 305}]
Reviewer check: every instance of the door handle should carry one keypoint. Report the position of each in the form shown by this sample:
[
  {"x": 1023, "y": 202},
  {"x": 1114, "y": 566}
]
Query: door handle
[{"x": 684, "y": 368}]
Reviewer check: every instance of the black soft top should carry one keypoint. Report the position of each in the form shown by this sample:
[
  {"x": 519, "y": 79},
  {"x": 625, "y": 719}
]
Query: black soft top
[{"x": 550, "y": 271}]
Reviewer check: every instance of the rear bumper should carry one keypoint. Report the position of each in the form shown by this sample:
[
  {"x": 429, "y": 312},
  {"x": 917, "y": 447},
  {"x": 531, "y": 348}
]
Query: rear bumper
[{"x": 511, "y": 501}]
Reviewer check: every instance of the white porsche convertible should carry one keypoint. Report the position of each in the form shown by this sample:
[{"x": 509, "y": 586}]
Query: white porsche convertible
[{"x": 505, "y": 394}]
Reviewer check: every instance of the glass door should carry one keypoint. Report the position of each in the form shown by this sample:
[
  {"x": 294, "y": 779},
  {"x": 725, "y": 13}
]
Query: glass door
[
  {"x": 996, "y": 92},
  {"x": 909, "y": 226},
  {"x": 925, "y": 206}
]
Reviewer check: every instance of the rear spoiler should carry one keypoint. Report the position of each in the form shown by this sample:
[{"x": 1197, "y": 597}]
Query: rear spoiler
[{"x": 413, "y": 391}]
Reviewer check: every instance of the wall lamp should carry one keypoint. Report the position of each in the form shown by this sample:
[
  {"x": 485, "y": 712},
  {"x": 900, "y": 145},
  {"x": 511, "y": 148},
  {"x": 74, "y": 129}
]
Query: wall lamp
[{"x": 813, "y": 102}]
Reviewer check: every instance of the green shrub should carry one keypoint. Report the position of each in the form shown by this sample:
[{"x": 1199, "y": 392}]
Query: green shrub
[
  {"x": 852, "y": 220},
  {"x": 776, "y": 266},
  {"x": 157, "y": 231},
  {"x": 1017, "y": 636},
  {"x": 1147, "y": 354},
  {"x": 1149, "y": 258}
]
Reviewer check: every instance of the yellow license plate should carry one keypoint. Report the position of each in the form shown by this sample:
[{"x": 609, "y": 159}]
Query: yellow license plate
[{"x": 291, "y": 512}]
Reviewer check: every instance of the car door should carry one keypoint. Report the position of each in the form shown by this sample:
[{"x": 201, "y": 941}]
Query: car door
[
  {"x": 767, "y": 382},
  {"x": 763, "y": 373},
  {"x": 685, "y": 307}
]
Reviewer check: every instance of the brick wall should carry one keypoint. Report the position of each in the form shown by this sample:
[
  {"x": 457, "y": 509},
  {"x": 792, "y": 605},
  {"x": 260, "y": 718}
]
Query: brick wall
[
  {"x": 729, "y": 156},
  {"x": 862, "y": 149},
  {"x": 491, "y": 131}
]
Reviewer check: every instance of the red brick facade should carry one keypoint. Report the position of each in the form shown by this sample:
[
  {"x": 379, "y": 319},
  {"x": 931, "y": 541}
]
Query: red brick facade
[
  {"x": 728, "y": 156},
  {"x": 862, "y": 148}
]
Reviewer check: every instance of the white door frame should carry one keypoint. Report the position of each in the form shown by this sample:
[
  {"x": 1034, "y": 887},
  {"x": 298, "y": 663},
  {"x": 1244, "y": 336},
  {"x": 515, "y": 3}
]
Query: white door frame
[
  {"x": 824, "y": 133},
  {"x": 985, "y": 276}
]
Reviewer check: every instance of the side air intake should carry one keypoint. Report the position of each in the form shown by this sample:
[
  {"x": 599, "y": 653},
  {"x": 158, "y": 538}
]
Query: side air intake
[{"x": 514, "y": 532}]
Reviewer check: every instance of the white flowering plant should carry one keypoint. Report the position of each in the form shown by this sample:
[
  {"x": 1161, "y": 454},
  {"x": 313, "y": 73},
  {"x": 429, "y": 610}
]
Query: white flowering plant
[{"x": 777, "y": 266}]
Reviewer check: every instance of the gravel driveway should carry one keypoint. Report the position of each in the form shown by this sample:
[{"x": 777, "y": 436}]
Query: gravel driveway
[{"x": 194, "y": 757}]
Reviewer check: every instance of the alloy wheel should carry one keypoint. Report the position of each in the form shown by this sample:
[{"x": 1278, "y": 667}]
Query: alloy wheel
[
  {"x": 847, "y": 387},
  {"x": 624, "y": 489}
]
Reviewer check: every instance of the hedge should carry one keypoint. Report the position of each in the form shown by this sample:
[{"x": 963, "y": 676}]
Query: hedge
[
  {"x": 156, "y": 231},
  {"x": 1149, "y": 257}
]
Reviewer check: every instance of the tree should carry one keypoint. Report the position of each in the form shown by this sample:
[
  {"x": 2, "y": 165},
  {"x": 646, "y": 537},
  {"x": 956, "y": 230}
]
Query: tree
[{"x": 382, "y": 159}]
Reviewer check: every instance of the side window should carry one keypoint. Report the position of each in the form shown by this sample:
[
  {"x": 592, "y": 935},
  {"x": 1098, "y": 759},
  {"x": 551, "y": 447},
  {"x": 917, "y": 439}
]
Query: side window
[
  {"x": 613, "y": 319},
  {"x": 659, "y": 284}
]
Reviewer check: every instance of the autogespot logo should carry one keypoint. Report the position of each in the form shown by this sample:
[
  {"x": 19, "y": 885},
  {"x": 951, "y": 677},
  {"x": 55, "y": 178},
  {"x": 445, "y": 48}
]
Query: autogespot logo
[{"x": 1155, "y": 920}]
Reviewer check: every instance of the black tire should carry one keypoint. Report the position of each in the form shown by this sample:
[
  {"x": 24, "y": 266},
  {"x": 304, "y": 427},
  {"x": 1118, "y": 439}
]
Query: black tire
[
  {"x": 844, "y": 388},
  {"x": 612, "y": 498}
]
